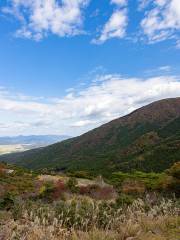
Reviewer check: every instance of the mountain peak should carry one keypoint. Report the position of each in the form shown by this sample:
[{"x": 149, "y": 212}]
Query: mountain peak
[{"x": 156, "y": 111}]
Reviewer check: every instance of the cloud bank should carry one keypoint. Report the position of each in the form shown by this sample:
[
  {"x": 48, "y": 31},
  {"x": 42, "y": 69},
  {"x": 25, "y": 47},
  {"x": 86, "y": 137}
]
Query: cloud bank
[
  {"x": 41, "y": 17},
  {"x": 106, "y": 98}
]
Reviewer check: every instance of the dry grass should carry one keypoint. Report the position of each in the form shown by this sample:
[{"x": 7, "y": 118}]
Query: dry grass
[
  {"x": 51, "y": 178},
  {"x": 56, "y": 178},
  {"x": 89, "y": 221}
]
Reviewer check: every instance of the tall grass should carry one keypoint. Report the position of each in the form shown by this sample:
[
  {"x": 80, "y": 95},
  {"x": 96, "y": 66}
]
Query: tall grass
[{"x": 86, "y": 219}]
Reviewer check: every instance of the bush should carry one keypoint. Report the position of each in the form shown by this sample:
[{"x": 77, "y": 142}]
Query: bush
[
  {"x": 124, "y": 199},
  {"x": 133, "y": 187},
  {"x": 172, "y": 180},
  {"x": 103, "y": 193},
  {"x": 7, "y": 202},
  {"x": 84, "y": 190},
  {"x": 174, "y": 171},
  {"x": 98, "y": 192},
  {"x": 72, "y": 185},
  {"x": 80, "y": 174},
  {"x": 46, "y": 191},
  {"x": 59, "y": 190}
]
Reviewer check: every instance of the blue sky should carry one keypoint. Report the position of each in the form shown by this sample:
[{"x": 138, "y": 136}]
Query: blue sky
[{"x": 69, "y": 66}]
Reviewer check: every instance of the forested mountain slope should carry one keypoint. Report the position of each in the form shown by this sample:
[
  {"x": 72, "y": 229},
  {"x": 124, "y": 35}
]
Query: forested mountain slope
[{"x": 148, "y": 139}]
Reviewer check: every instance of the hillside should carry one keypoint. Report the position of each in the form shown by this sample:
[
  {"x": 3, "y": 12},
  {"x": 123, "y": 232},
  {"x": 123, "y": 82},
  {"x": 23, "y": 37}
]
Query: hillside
[
  {"x": 142, "y": 206},
  {"x": 148, "y": 139}
]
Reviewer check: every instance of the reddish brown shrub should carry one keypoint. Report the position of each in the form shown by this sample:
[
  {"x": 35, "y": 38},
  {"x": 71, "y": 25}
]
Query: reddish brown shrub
[
  {"x": 59, "y": 189},
  {"x": 133, "y": 187},
  {"x": 84, "y": 190},
  {"x": 104, "y": 193},
  {"x": 98, "y": 192},
  {"x": 2, "y": 172},
  {"x": 2, "y": 191}
]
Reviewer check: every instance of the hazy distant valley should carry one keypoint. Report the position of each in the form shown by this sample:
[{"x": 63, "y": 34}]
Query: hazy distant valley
[{"x": 23, "y": 143}]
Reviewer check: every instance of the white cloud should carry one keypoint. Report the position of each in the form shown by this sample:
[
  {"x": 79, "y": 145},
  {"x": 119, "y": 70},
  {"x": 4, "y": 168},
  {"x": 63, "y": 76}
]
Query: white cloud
[
  {"x": 162, "y": 22},
  {"x": 79, "y": 111},
  {"x": 142, "y": 4},
  {"x": 165, "y": 68},
  {"x": 116, "y": 25},
  {"x": 178, "y": 44},
  {"x": 119, "y": 2},
  {"x": 40, "y": 17},
  {"x": 159, "y": 71},
  {"x": 82, "y": 123}
]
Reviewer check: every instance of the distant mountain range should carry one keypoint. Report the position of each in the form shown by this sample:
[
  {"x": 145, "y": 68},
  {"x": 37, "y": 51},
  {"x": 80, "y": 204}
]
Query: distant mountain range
[
  {"x": 33, "y": 139},
  {"x": 148, "y": 139}
]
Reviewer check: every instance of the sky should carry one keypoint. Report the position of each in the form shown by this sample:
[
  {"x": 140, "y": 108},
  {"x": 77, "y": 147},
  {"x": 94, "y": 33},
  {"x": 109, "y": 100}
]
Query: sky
[{"x": 68, "y": 66}]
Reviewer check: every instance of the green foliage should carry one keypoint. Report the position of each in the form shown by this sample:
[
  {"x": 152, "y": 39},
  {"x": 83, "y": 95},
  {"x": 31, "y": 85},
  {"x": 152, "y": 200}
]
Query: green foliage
[
  {"x": 172, "y": 182},
  {"x": 19, "y": 182},
  {"x": 175, "y": 170},
  {"x": 80, "y": 174},
  {"x": 46, "y": 191},
  {"x": 124, "y": 199},
  {"x": 7, "y": 202},
  {"x": 150, "y": 180},
  {"x": 72, "y": 184}
]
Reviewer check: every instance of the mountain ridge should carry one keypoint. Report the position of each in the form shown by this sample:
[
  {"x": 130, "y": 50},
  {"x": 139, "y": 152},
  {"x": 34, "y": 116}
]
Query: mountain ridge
[{"x": 142, "y": 140}]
